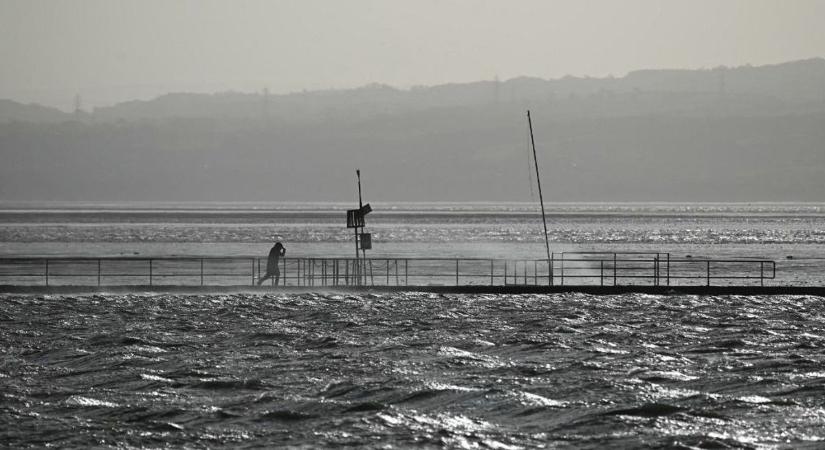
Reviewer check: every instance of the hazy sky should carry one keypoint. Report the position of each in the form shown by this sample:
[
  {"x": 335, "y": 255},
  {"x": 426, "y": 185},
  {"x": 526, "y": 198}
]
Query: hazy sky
[{"x": 110, "y": 50}]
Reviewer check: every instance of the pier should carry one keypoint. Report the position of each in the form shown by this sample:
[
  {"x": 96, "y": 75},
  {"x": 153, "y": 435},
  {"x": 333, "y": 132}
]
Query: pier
[{"x": 569, "y": 269}]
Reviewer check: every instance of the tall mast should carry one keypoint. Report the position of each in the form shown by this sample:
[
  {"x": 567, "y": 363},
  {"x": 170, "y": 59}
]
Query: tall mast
[
  {"x": 360, "y": 202},
  {"x": 541, "y": 199},
  {"x": 361, "y": 207},
  {"x": 357, "y": 267}
]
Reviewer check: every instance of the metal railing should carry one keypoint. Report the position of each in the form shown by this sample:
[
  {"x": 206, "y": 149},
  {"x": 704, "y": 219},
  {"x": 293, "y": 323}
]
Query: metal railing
[{"x": 569, "y": 268}]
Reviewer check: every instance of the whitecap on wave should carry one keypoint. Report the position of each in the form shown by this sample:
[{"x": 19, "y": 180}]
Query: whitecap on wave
[{"x": 76, "y": 400}]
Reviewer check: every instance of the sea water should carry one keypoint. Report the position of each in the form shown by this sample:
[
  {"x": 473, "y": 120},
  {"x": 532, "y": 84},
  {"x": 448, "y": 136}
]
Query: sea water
[
  {"x": 412, "y": 369},
  {"x": 792, "y": 234},
  {"x": 328, "y": 369}
]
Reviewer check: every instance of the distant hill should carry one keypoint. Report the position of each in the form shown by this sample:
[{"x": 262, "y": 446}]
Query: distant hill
[
  {"x": 750, "y": 88},
  {"x": 11, "y": 111},
  {"x": 737, "y": 134}
]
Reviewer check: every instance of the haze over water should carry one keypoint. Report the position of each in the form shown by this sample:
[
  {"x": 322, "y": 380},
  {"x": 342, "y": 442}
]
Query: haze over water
[
  {"x": 418, "y": 230},
  {"x": 147, "y": 129},
  {"x": 413, "y": 369}
]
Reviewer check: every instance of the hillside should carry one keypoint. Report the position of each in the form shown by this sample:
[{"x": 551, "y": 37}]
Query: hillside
[{"x": 741, "y": 134}]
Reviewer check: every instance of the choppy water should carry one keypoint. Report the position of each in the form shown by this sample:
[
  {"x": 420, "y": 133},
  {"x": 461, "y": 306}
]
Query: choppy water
[
  {"x": 645, "y": 223},
  {"x": 464, "y": 371},
  {"x": 793, "y": 234}
]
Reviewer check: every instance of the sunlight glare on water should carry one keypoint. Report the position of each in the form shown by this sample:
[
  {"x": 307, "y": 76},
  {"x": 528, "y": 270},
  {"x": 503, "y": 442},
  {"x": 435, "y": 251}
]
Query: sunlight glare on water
[{"x": 495, "y": 371}]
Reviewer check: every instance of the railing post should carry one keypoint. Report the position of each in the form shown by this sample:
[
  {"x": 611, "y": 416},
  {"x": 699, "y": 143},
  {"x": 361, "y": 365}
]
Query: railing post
[
  {"x": 201, "y": 271},
  {"x": 562, "y": 269},
  {"x": 656, "y": 271},
  {"x": 614, "y": 269},
  {"x": 525, "y": 273},
  {"x": 668, "y": 269},
  {"x": 98, "y": 271},
  {"x": 535, "y": 273},
  {"x": 456, "y": 272},
  {"x": 551, "y": 269},
  {"x": 708, "y": 273},
  {"x": 388, "y": 271},
  {"x": 407, "y": 272},
  {"x": 761, "y": 273},
  {"x": 505, "y": 272}
]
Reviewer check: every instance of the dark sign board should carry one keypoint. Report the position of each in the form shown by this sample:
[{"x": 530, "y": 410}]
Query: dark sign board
[
  {"x": 366, "y": 241},
  {"x": 355, "y": 218}
]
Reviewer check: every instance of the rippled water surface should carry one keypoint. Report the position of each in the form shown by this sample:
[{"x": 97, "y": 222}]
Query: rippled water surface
[{"x": 414, "y": 369}]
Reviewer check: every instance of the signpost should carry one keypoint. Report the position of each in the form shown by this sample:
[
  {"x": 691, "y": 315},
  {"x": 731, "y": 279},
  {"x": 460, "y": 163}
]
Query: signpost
[{"x": 363, "y": 241}]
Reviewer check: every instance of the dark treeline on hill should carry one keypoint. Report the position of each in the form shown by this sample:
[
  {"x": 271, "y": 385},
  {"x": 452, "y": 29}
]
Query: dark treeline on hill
[{"x": 726, "y": 134}]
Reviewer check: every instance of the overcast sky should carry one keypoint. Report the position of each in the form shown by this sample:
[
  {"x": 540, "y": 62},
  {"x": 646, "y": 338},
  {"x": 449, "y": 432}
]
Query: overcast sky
[{"x": 111, "y": 51}]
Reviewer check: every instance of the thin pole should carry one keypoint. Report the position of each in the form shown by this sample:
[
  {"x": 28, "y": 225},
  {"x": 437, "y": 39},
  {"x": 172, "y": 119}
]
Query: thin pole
[
  {"x": 357, "y": 256},
  {"x": 761, "y": 273},
  {"x": 357, "y": 272},
  {"x": 361, "y": 271},
  {"x": 708, "y": 279},
  {"x": 538, "y": 180},
  {"x": 614, "y": 269},
  {"x": 358, "y": 174}
]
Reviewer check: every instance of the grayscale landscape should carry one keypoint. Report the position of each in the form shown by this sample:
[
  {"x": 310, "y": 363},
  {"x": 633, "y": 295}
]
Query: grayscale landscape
[{"x": 321, "y": 224}]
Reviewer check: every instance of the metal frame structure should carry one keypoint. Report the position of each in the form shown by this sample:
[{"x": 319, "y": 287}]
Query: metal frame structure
[{"x": 569, "y": 268}]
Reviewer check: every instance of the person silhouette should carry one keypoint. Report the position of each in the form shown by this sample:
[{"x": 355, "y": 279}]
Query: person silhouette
[{"x": 272, "y": 270}]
